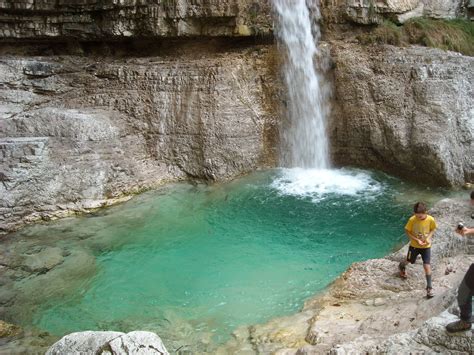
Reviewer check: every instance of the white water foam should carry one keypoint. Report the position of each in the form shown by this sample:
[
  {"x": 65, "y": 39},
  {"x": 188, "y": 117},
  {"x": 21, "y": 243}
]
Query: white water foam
[{"x": 317, "y": 184}]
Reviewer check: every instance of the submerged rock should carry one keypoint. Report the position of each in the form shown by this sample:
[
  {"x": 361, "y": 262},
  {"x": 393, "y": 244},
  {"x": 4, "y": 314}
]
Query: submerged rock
[
  {"x": 91, "y": 342},
  {"x": 8, "y": 330},
  {"x": 44, "y": 261}
]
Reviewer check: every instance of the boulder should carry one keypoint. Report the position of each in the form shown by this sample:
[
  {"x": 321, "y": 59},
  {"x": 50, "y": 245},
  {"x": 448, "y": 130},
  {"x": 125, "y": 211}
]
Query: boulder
[
  {"x": 138, "y": 342},
  {"x": 407, "y": 111},
  {"x": 102, "y": 343}
]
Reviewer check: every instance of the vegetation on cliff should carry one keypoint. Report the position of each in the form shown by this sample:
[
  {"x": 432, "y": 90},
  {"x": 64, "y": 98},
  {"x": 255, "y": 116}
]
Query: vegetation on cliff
[{"x": 454, "y": 35}]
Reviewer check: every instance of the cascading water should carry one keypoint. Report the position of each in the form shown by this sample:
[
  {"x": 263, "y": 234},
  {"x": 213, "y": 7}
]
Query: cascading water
[{"x": 304, "y": 141}]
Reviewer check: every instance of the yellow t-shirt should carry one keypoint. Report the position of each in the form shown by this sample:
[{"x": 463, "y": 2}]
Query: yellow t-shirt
[{"x": 417, "y": 226}]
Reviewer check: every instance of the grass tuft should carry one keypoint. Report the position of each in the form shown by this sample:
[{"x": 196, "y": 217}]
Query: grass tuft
[{"x": 454, "y": 35}]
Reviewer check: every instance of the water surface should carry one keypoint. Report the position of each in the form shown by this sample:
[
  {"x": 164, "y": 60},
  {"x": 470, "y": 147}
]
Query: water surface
[{"x": 193, "y": 261}]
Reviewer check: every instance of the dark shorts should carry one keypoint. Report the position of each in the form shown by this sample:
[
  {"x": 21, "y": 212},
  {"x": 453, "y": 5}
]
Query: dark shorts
[{"x": 414, "y": 252}]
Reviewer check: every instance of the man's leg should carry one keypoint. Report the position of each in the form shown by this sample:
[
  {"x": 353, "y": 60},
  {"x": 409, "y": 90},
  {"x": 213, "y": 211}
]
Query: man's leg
[
  {"x": 465, "y": 301},
  {"x": 465, "y": 294}
]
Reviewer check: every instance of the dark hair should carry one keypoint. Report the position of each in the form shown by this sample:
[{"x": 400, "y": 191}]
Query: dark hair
[
  {"x": 472, "y": 195},
  {"x": 419, "y": 207}
]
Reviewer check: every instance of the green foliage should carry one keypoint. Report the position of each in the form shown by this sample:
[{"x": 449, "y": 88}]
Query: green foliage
[
  {"x": 454, "y": 35},
  {"x": 385, "y": 33}
]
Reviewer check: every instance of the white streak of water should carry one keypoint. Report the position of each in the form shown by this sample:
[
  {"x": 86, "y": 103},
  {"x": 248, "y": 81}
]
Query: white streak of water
[{"x": 304, "y": 141}]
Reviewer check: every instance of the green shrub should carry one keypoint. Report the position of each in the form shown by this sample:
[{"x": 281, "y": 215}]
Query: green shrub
[
  {"x": 385, "y": 33},
  {"x": 455, "y": 35}
]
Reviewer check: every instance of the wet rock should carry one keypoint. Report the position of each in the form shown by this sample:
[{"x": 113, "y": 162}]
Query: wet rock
[
  {"x": 8, "y": 330},
  {"x": 60, "y": 282},
  {"x": 44, "y": 261},
  {"x": 6, "y": 296},
  {"x": 137, "y": 342}
]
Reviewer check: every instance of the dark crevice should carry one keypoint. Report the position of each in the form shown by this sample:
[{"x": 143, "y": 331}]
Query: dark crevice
[{"x": 131, "y": 47}]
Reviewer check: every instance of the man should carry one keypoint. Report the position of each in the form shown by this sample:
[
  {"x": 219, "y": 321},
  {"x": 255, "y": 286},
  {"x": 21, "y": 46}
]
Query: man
[
  {"x": 465, "y": 293},
  {"x": 419, "y": 229}
]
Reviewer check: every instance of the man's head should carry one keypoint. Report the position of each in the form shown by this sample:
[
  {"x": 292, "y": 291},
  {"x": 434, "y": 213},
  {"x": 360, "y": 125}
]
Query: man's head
[{"x": 420, "y": 210}]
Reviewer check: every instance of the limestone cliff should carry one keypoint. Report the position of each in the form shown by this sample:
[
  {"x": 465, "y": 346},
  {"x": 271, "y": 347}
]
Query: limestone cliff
[
  {"x": 376, "y": 11},
  {"x": 78, "y": 131},
  {"x": 99, "y": 99},
  {"x": 115, "y": 19},
  {"x": 408, "y": 111}
]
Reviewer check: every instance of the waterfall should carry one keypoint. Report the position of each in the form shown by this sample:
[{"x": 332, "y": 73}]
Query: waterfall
[{"x": 304, "y": 141}]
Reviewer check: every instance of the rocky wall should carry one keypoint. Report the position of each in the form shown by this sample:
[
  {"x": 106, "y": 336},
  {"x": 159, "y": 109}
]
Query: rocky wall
[
  {"x": 408, "y": 111},
  {"x": 105, "y": 98},
  {"x": 78, "y": 132},
  {"x": 367, "y": 12},
  {"x": 115, "y": 19}
]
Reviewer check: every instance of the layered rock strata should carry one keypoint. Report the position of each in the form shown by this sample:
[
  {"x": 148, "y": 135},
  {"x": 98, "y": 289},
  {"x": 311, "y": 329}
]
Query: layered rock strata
[
  {"x": 79, "y": 132},
  {"x": 408, "y": 111},
  {"x": 368, "y": 12},
  {"x": 96, "y": 20}
]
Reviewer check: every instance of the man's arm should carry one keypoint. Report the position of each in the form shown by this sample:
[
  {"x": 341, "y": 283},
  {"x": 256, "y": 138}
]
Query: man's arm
[{"x": 465, "y": 231}]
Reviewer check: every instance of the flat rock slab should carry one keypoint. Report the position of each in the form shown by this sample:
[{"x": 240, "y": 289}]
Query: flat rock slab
[{"x": 45, "y": 260}]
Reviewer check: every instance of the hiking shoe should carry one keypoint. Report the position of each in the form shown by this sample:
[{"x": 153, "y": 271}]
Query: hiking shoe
[
  {"x": 429, "y": 292},
  {"x": 458, "y": 326},
  {"x": 403, "y": 272}
]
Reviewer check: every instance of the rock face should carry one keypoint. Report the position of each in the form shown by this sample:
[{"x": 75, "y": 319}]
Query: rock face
[
  {"x": 431, "y": 337},
  {"x": 92, "y": 19},
  {"x": 77, "y": 132},
  {"x": 85, "y": 122},
  {"x": 133, "y": 343},
  {"x": 404, "y": 110},
  {"x": 376, "y": 11}
]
